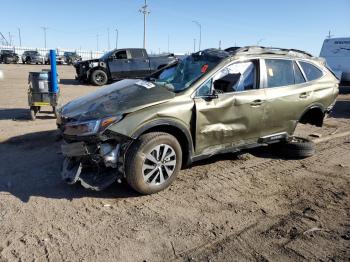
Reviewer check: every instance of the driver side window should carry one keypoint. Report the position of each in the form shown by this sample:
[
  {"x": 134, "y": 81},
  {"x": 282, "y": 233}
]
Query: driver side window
[
  {"x": 237, "y": 77},
  {"x": 120, "y": 55}
]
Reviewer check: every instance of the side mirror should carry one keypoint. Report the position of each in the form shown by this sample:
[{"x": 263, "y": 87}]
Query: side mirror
[{"x": 210, "y": 97}]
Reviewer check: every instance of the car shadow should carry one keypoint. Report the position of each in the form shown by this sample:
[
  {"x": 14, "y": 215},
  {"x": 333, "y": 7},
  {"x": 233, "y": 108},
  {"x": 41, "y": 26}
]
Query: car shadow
[
  {"x": 267, "y": 152},
  {"x": 344, "y": 90},
  {"x": 23, "y": 114},
  {"x": 31, "y": 165},
  {"x": 341, "y": 109}
]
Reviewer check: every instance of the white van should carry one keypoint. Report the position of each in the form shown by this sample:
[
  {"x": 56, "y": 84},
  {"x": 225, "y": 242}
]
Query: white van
[{"x": 336, "y": 51}]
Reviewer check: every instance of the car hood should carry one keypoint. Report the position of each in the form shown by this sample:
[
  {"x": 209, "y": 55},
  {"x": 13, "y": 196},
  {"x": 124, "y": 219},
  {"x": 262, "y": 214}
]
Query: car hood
[
  {"x": 119, "y": 98},
  {"x": 86, "y": 62}
]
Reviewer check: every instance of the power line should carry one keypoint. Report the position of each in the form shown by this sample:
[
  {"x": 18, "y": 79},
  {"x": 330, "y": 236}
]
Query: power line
[{"x": 4, "y": 39}]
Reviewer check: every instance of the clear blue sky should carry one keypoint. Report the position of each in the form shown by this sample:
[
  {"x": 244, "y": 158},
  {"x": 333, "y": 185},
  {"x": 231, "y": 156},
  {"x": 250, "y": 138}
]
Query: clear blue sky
[{"x": 73, "y": 24}]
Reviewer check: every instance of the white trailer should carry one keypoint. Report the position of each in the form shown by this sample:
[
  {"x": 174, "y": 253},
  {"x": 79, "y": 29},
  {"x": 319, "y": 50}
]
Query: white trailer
[{"x": 336, "y": 51}]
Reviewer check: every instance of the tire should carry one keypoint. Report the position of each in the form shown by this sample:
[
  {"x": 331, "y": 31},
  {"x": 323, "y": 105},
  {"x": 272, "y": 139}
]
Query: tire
[
  {"x": 33, "y": 112},
  {"x": 138, "y": 166},
  {"x": 296, "y": 148},
  {"x": 99, "y": 77},
  {"x": 55, "y": 111},
  {"x": 28, "y": 60}
]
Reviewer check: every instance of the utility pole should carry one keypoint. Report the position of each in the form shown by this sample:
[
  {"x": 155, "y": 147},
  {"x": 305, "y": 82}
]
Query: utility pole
[
  {"x": 19, "y": 36},
  {"x": 44, "y": 28},
  {"x": 145, "y": 12},
  {"x": 108, "y": 44},
  {"x": 97, "y": 41},
  {"x": 200, "y": 33},
  {"x": 168, "y": 44},
  {"x": 219, "y": 44},
  {"x": 329, "y": 35},
  {"x": 10, "y": 38},
  {"x": 116, "y": 38},
  {"x": 194, "y": 45}
]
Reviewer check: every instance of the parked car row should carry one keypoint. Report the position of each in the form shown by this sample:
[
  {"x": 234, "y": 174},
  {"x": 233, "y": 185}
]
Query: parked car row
[{"x": 34, "y": 57}]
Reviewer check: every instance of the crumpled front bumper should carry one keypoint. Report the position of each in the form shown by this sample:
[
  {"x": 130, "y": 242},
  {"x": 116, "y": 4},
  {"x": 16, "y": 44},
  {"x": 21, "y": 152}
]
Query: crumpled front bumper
[
  {"x": 82, "y": 72},
  {"x": 94, "y": 166}
]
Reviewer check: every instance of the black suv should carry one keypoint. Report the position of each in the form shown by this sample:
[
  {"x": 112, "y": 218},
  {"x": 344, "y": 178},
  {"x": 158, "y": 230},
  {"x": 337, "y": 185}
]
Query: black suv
[
  {"x": 8, "y": 57},
  {"x": 29, "y": 57}
]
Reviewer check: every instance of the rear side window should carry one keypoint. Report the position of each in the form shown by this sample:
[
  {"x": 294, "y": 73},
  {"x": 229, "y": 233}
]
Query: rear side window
[
  {"x": 279, "y": 72},
  {"x": 311, "y": 71},
  {"x": 137, "y": 53}
]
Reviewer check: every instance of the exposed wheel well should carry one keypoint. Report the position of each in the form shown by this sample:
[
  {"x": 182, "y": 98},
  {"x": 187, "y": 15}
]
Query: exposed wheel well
[
  {"x": 313, "y": 116},
  {"x": 179, "y": 135}
]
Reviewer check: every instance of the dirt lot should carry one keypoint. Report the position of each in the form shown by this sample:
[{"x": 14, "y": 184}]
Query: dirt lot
[{"x": 251, "y": 206}]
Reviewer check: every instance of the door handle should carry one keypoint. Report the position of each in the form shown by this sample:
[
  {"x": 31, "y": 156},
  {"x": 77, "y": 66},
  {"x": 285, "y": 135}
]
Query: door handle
[
  {"x": 146, "y": 60},
  {"x": 304, "y": 95},
  {"x": 257, "y": 103},
  {"x": 127, "y": 61}
]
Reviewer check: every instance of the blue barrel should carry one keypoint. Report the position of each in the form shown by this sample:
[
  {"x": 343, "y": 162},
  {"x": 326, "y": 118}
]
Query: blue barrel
[{"x": 54, "y": 82}]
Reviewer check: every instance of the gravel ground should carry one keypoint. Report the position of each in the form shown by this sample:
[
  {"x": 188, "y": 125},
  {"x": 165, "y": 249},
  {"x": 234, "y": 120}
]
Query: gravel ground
[{"x": 252, "y": 206}]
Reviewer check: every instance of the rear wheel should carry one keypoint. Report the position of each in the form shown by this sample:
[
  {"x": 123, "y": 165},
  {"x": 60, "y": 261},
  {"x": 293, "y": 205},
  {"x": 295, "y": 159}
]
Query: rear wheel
[
  {"x": 99, "y": 77},
  {"x": 153, "y": 162}
]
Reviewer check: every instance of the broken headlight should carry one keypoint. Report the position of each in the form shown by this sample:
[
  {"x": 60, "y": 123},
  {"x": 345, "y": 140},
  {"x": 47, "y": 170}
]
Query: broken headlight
[{"x": 90, "y": 127}]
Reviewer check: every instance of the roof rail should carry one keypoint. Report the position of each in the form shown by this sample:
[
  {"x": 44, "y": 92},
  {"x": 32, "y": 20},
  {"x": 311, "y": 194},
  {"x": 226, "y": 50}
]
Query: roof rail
[{"x": 267, "y": 50}]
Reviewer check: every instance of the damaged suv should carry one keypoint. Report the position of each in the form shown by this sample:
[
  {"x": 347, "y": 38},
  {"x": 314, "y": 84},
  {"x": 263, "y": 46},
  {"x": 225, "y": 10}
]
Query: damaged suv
[{"x": 211, "y": 102}]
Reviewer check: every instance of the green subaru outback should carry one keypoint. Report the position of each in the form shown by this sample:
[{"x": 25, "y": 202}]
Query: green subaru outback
[{"x": 211, "y": 102}]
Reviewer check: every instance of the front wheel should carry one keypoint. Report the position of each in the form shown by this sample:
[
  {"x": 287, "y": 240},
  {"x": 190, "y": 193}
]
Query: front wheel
[
  {"x": 153, "y": 162},
  {"x": 33, "y": 111},
  {"x": 99, "y": 77}
]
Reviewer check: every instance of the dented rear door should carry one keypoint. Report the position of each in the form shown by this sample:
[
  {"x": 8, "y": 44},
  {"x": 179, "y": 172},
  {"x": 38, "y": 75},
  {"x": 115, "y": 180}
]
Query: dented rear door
[{"x": 230, "y": 120}]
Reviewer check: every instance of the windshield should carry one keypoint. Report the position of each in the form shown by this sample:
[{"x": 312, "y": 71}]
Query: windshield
[
  {"x": 7, "y": 52},
  {"x": 191, "y": 68}
]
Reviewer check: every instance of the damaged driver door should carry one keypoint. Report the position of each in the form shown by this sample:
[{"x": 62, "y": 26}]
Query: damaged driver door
[{"x": 230, "y": 109}]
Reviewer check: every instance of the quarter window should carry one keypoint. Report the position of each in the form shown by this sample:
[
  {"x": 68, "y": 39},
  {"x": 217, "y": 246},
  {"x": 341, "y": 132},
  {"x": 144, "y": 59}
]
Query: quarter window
[
  {"x": 311, "y": 71},
  {"x": 279, "y": 72},
  {"x": 299, "y": 78}
]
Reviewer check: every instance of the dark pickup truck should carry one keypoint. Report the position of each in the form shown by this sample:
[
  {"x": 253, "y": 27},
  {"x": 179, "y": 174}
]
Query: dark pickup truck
[{"x": 120, "y": 64}]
